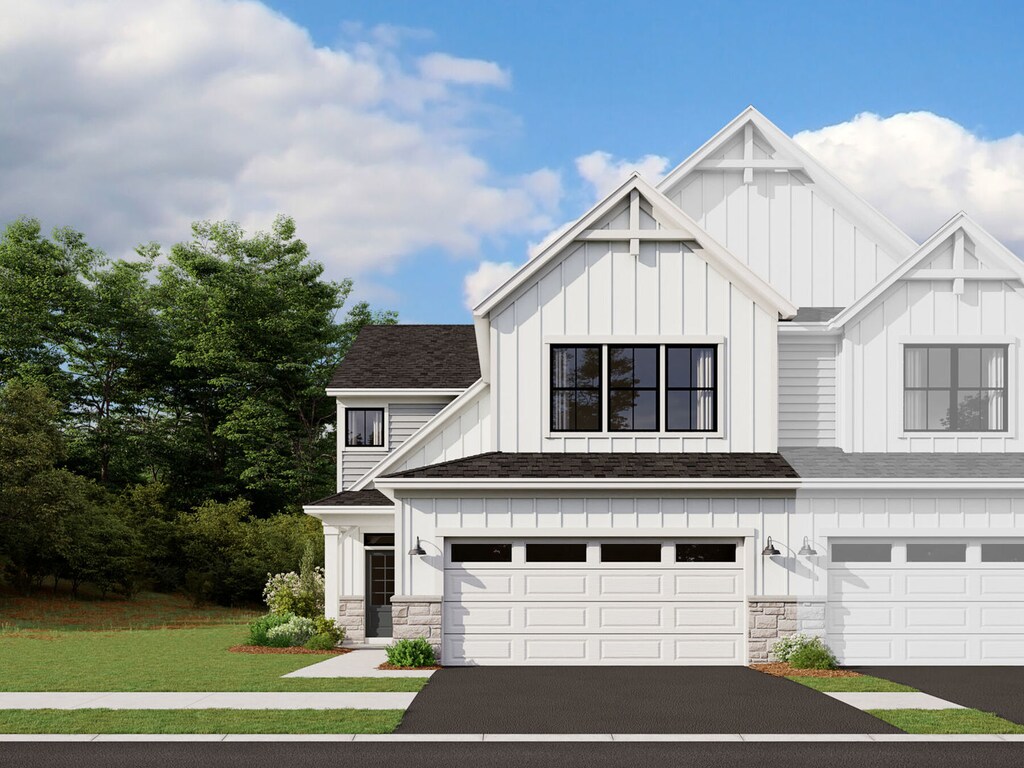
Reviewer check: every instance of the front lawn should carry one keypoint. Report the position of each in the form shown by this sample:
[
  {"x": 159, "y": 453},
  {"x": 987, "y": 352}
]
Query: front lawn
[
  {"x": 193, "y": 659},
  {"x": 946, "y": 721},
  {"x": 199, "y": 720},
  {"x": 858, "y": 684}
]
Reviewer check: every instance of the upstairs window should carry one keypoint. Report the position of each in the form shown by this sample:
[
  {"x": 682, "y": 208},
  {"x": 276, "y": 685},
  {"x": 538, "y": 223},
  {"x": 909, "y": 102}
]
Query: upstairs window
[
  {"x": 364, "y": 427},
  {"x": 633, "y": 389},
  {"x": 955, "y": 388},
  {"x": 691, "y": 403},
  {"x": 576, "y": 389}
]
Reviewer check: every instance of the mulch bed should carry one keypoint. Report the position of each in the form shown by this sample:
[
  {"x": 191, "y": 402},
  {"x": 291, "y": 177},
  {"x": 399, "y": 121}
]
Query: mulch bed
[
  {"x": 779, "y": 669},
  {"x": 268, "y": 649},
  {"x": 385, "y": 665}
]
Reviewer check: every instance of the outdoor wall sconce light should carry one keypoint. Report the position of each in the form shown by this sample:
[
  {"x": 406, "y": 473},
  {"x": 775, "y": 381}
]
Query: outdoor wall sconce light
[
  {"x": 769, "y": 549},
  {"x": 807, "y": 550},
  {"x": 418, "y": 550}
]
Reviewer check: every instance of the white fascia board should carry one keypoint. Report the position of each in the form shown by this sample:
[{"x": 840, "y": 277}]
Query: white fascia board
[
  {"x": 585, "y": 532},
  {"x": 393, "y": 394},
  {"x": 319, "y": 510},
  {"x": 542, "y": 259},
  {"x": 917, "y": 533},
  {"x": 482, "y": 330},
  {"x": 424, "y": 433},
  {"x": 808, "y": 329},
  {"x": 960, "y": 221},
  {"x": 894, "y": 239},
  {"x": 401, "y": 485}
]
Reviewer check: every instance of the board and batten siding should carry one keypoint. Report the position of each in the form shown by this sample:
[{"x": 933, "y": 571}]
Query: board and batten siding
[
  {"x": 600, "y": 291},
  {"x": 785, "y": 229},
  {"x": 807, "y": 391},
  {"x": 922, "y": 311},
  {"x": 820, "y": 516}
]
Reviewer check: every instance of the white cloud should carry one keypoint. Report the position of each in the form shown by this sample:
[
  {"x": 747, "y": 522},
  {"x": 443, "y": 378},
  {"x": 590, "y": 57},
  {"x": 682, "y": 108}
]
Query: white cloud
[
  {"x": 451, "y": 69},
  {"x": 604, "y": 173},
  {"x": 477, "y": 285},
  {"x": 919, "y": 169},
  {"x": 129, "y": 120}
]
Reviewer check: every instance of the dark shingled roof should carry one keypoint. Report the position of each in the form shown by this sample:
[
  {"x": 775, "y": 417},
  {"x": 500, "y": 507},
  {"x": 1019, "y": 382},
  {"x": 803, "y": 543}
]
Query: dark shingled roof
[
  {"x": 815, "y": 314},
  {"x": 835, "y": 463},
  {"x": 410, "y": 357},
  {"x": 366, "y": 498},
  {"x": 699, "y": 466}
]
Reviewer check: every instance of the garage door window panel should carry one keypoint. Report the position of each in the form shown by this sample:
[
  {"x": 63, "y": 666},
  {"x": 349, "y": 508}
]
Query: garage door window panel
[
  {"x": 921, "y": 552},
  {"x": 471, "y": 552},
  {"x": 862, "y": 552},
  {"x": 1002, "y": 552},
  {"x": 631, "y": 553},
  {"x": 705, "y": 553},
  {"x": 567, "y": 552}
]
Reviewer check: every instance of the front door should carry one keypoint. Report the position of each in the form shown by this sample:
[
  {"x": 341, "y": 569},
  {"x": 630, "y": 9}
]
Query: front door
[{"x": 380, "y": 586}]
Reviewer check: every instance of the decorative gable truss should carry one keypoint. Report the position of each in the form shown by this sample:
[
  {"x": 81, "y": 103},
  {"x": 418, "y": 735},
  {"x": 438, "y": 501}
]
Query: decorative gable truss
[
  {"x": 789, "y": 219},
  {"x": 962, "y": 287}
]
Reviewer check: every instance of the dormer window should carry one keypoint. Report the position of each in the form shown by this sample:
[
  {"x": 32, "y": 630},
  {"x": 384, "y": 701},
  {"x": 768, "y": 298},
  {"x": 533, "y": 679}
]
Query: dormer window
[{"x": 364, "y": 427}]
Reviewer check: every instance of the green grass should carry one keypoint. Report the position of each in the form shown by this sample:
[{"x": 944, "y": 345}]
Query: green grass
[
  {"x": 862, "y": 684},
  {"x": 199, "y": 720},
  {"x": 946, "y": 721},
  {"x": 161, "y": 660}
]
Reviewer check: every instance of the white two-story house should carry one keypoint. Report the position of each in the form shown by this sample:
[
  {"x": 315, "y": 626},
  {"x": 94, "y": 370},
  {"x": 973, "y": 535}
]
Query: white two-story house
[{"x": 718, "y": 409}]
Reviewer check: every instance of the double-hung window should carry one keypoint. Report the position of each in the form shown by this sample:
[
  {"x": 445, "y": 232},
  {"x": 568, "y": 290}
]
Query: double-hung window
[
  {"x": 634, "y": 388},
  {"x": 691, "y": 388},
  {"x": 955, "y": 388},
  {"x": 364, "y": 427},
  {"x": 576, "y": 374}
]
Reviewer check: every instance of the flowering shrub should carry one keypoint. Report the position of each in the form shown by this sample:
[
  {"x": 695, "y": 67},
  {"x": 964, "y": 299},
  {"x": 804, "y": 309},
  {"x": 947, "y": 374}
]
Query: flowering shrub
[
  {"x": 803, "y": 652},
  {"x": 296, "y": 631},
  {"x": 258, "y": 628},
  {"x": 300, "y": 593}
]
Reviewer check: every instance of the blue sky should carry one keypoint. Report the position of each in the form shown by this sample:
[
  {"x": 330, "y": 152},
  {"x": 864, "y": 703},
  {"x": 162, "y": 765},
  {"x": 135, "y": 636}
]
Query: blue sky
[{"x": 491, "y": 106}]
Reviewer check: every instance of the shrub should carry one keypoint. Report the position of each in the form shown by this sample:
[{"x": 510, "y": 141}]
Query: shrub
[
  {"x": 803, "y": 652},
  {"x": 296, "y": 631},
  {"x": 300, "y": 593},
  {"x": 324, "y": 626},
  {"x": 258, "y": 628},
  {"x": 411, "y": 653},
  {"x": 321, "y": 642}
]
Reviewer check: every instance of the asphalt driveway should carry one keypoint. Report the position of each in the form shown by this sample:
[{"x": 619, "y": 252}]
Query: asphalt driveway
[
  {"x": 626, "y": 700},
  {"x": 990, "y": 689}
]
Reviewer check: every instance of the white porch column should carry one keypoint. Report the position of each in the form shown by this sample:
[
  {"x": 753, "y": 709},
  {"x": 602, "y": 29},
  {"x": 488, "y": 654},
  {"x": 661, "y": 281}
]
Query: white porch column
[{"x": 332, "y": 570}]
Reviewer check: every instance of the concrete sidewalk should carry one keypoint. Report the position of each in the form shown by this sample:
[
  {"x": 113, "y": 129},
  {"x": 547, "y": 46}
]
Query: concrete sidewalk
[
  {"x": 361, "y": 663},
  {"x": 205, "y": 700}
]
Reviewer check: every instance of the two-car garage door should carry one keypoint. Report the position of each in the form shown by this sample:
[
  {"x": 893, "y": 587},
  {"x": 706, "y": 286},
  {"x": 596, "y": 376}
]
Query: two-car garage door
[
  {"x": 612, "y": 601},
  {"x": 921, "y": 601}
]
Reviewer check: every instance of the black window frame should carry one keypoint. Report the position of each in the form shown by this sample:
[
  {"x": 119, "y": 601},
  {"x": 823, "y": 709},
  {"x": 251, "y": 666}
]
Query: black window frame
[
  {"x": 554, "y": 390},
  {"x": 954, "y": 388},
  {"x": 691, "y": 389},
  {"x": 656, "y": 389},
  {"x": 383, "y": 427}
]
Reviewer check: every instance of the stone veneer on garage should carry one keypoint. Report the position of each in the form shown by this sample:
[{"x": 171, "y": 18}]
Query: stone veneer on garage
[
  {"x": 352, "y": 618},
  {"x": 415, "y": 616},
  {"x": 772, "y": 617}
]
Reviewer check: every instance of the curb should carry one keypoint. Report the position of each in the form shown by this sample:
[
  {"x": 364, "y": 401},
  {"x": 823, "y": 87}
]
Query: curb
[{"x": 515, "y": 737}]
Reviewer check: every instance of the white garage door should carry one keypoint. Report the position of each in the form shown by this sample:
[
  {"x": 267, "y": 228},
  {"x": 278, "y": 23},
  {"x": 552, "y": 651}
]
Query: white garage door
[
  {"x": 588, "y": 602},
  {"x": 916, "y": 601}
]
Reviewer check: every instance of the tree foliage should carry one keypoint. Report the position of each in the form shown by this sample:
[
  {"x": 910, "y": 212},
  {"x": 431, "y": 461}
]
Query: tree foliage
[{"x": 163, "y": 417}]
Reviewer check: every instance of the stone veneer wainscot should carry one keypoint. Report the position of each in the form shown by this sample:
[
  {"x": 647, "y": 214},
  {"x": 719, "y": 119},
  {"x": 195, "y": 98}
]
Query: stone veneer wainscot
[{"x": 773, "y": 617}]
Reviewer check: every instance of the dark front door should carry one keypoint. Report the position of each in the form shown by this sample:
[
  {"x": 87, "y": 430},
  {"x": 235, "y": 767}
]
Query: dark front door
[{"x": 380, "y": 586}]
